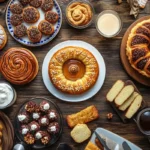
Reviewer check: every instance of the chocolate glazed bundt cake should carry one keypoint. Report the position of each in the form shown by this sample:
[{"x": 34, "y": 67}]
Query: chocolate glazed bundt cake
[{"x": 138, "y": 47}]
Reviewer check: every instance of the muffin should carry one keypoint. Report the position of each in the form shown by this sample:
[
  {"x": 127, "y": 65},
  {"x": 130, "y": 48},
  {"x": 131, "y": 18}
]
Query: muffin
[
  {"x": 30, "y": 14},
  {"x": 16, "y": 8},
  {"x": 38, "y": 135},
  {"x": 44, "y": 121},
  {"x": 29, "y": 138},
  {"x": 36, "y": 3},
  {"x": 34, "y": 34},
  {"x": 20, "y": 31},
  {"x": 23, "y": 117},
  {"x": 47, "y": 5},
  {"x": 30, "y": 106},
  {"x": 46, "y": 138},
  {"x": 24, "y": 2},
  {"x": 53, "y": 128},
  {"x": 36, "y": 115},
  {"x": 52, "y": 115},
  {"x": 46, "y": 28},
  {"x": 16, "y": 19},
  {"x": 51, "y": 16},
  {"x": 34, "y": 126},
  {"x": 25, "y": 129},
  {"x": 44, "y": 106}
]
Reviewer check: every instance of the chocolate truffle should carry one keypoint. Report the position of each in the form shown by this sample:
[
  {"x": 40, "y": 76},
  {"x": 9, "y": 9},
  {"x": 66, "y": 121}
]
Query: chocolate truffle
[
  {"x": 52, "y": 115},
  {"x": 23, "y": 117},
  {"x": 53, "y": 128},
  {"x": 34, "y": 126},
  {"x": 44, "y": 121},
  {"x": 36, "y": 115},
  {"x": 38, "y": 135},
  {"x": 29, "y": 138},
  {"x": 46, "y": 138},
  {"x": 44, "y": 106},
  {"x": 30, "y": 106},
  {"x": 25, "y": 129}
]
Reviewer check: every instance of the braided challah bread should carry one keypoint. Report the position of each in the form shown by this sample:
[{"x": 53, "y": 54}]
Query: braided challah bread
[
  {"x": 138, "y": 47},
  {"x": 73, "y": 70}
]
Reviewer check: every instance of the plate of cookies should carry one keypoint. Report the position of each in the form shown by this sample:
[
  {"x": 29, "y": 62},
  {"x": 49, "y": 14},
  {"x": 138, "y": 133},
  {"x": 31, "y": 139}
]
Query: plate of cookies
[
  {"x": 39, "y": 123},
  {"x": 33, "y": 23}
]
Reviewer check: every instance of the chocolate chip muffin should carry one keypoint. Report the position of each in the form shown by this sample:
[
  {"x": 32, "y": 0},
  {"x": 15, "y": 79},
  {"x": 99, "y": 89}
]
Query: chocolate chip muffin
[
  {"x": 46, "y": 28},
  {"x": 16, "y": 19},
  {"x": 20, "y": 31},
  {"x": 51, "y": 16},
  {"x": 36, "y": 3},
  {"x": 16, "y": 8},
  {"x": 24, "y": 2},
  {"x": 34, "y": 34},
  {"x": 31, "y": 14},
  {"x": 47, "y": 5}
]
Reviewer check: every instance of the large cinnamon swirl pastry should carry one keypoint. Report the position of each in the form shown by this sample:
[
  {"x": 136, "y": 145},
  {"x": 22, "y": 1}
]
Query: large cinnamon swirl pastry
[
  {"x": 138, "y": 47},
  {"x": 19, "y": 66},
  {"x": 73, "y": 70}
]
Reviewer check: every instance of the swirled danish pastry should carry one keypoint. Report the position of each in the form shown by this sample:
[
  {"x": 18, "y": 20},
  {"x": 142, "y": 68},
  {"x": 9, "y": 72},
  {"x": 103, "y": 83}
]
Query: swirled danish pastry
[
  {"x": 79, "y": 13},
  {"x": 138, "y": 47},
  {"x": 73, "y": 70},
  {"x": 19, "y": 66}
]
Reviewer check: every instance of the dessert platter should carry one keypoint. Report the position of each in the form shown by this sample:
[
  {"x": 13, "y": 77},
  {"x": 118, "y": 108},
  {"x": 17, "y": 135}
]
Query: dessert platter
[
  {"x": 33, "y": 23},
  {"x": 74, "y": 74}
]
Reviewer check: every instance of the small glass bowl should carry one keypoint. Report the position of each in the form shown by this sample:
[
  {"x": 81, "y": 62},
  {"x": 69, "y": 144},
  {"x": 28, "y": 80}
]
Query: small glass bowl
[
  {"x": 84, "y": 26},
  {"x": 109, "y": 12}
]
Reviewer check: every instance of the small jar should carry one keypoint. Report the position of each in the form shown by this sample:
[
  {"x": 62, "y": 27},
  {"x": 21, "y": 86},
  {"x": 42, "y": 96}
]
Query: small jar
[
  {"x": 8, "y": 95},
  {"x": 108, "y": 23},
  {"x": 77, "y": 12}
]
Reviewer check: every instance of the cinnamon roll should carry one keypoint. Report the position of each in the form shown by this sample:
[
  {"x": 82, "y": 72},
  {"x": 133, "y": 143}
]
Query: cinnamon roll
[{"x": 19, "y": 66}]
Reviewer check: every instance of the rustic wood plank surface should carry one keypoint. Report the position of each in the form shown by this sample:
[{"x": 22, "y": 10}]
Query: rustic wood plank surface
[{"x": 109, "y": 49}]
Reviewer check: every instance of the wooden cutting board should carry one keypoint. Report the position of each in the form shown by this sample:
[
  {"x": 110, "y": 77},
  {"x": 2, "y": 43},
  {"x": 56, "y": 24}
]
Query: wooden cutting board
[{"x": 132, "y": 72}]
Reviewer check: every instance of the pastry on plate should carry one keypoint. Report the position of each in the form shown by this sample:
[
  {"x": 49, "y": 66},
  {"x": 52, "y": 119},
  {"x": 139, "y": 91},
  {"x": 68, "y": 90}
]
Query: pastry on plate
[
  {"x": 52, "y": 115},
  {"x": 24, "y": 2},
  {"x": 44, "y": 121},
  {"x": 30, "y": 106},
  {"x": 73, "y": 70},
  {"x": 34, "y": 126},
  {"x": 44, "y": 106},
  {"x": 53, "y": 128},
  {"x": 29, "y": 139},
  {"x": 38, "y": 135},
  {"x": 45, "y": 138},
  {"x": 22, "y": 66},
  {"x": 30, "y": 14},
  {"x": 25, "y": 129},
  {"x": 23, "y": 117},
  {"x": 3, "y": 37},
  {"x": 20, "y": 31},
  {"x": 36, "y": 3},
  {"x": 16, "y": 19},
  {"x": 51, "y": 16},
  {"x": 34, "y": 34},
  {"x": 36, "y": 115},
  {"x": 16, "y": 8},
  {"x": 91, "y": 146},
  {"x": 47, "y": 5},
  {"x": 46, "y": 28},
  {"x": 138, "y": 47}
]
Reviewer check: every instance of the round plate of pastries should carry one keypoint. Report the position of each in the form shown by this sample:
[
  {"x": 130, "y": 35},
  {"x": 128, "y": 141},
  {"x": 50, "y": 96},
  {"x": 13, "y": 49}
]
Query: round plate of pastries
[
  {"x": 39, "y": 123},
  {"x": 33, "y": 22},
  {"x": 73, "y": 71},
  {"x": 135, "y": 50}
]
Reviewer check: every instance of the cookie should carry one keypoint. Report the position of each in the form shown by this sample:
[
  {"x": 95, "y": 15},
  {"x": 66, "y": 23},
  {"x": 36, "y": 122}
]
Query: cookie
[
  {"x": 47, "y": 5},
  {"x": 16, "y": 8},
  {"x": 36, "y": 3},
  {"x": 20, "y": 30},
  {"x": 51, "y": 16},
  {"x": 16, "y": 19},
  {"x": 24, "y": 2}
]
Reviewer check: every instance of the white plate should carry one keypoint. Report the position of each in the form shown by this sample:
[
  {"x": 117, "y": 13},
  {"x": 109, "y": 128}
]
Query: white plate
[
  {"x": 25, "y": 40},
  {"x": 116, "y": 138},
  {"x": 68, "y": 97}
]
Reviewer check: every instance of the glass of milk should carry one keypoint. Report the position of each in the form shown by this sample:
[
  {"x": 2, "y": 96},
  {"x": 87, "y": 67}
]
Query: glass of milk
[{"x": 108, "y": 23}]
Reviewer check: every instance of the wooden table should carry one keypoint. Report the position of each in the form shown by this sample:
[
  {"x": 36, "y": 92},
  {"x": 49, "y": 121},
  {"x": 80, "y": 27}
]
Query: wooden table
[{"x": 109, "y": 48}]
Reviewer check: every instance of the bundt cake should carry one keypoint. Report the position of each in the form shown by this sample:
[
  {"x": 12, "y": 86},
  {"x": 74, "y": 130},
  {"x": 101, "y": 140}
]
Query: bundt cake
[{"x": 138, "y": 47}]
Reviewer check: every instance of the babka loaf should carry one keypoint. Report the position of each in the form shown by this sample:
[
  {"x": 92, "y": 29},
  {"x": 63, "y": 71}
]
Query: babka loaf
[{"x": 138, "y": 47}]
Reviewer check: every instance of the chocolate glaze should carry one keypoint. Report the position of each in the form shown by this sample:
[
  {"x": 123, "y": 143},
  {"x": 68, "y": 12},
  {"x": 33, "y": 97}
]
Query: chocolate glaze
[
  {"x": 137, "y": 39},
  {"x": 141, "y": 64},
  {"x": 145, "y": 121},
  {"x": 143, "y": 31}
]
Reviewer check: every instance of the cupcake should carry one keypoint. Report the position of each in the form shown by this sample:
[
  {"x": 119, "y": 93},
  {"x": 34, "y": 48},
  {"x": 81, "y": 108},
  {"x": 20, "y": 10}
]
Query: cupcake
[
  {"x": 52, "y": 115},
  {"x": 53, "y": 128},
  {"x": 23, "y": 117},
  {"x": 38, "y": 135},
  {"x": 34, "y": 126},
  {"x": 30, "y": 106},
  {"x": 29, "y": 138},
  {"x": 44, "y": 106},
  {"x": 36, "y": 115},
  {"x": 44, "y": 121},
  {"x": 46, "y": 138},
  {"x": 25, "y": 129}
]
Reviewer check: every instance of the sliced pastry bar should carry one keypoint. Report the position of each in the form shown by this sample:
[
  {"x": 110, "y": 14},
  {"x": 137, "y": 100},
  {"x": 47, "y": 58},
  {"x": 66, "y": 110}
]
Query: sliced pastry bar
[{"x": 91, "y": 146}]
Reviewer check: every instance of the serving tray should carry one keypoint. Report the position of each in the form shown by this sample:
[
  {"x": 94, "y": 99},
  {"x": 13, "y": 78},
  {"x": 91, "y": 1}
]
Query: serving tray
[{"x": 132, "y": 72}]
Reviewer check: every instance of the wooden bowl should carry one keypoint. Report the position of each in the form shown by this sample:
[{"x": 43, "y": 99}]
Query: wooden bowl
[
  {"x": 8, "y": 132},
  {"x": 124, "y": 59}
]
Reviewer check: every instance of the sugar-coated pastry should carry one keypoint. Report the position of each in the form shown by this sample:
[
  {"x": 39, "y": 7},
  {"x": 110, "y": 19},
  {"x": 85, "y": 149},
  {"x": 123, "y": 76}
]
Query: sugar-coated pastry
[
  {"x": 16, "y": 8},
  {"x": 23, "y": 117},
  {"x": 30, "y": 14},
  {"x": 51, "y": 16},
  {"x": 29, "y": 139},
  {"x": 38, "y": 135},
  {"x": 30, "y": 106},
  {"x": 36, "y": 115},
  {"x": 53, "y": 128},
  {"x": 25, "y": 129},
  {"x": 16, "y": 19},
  {"x": 36, "y": 3},
  {"x": 22, "y": 66},
  {"x": 3, "y": 37},
  {"x": 34, "y": 34},
  {"x": 47, "y": 5},
  {"x": 52, "y": 115},
  {"x": 44, "y": 106},
  {"x": 34, "y": 126},
  {"x": 44, "y": 121},
  {"x": 46, "y": 28},
  {"x": 20, "y": 31},
  {"x": 46, "y": 138},
  {"x": 24, "y": 2}
]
